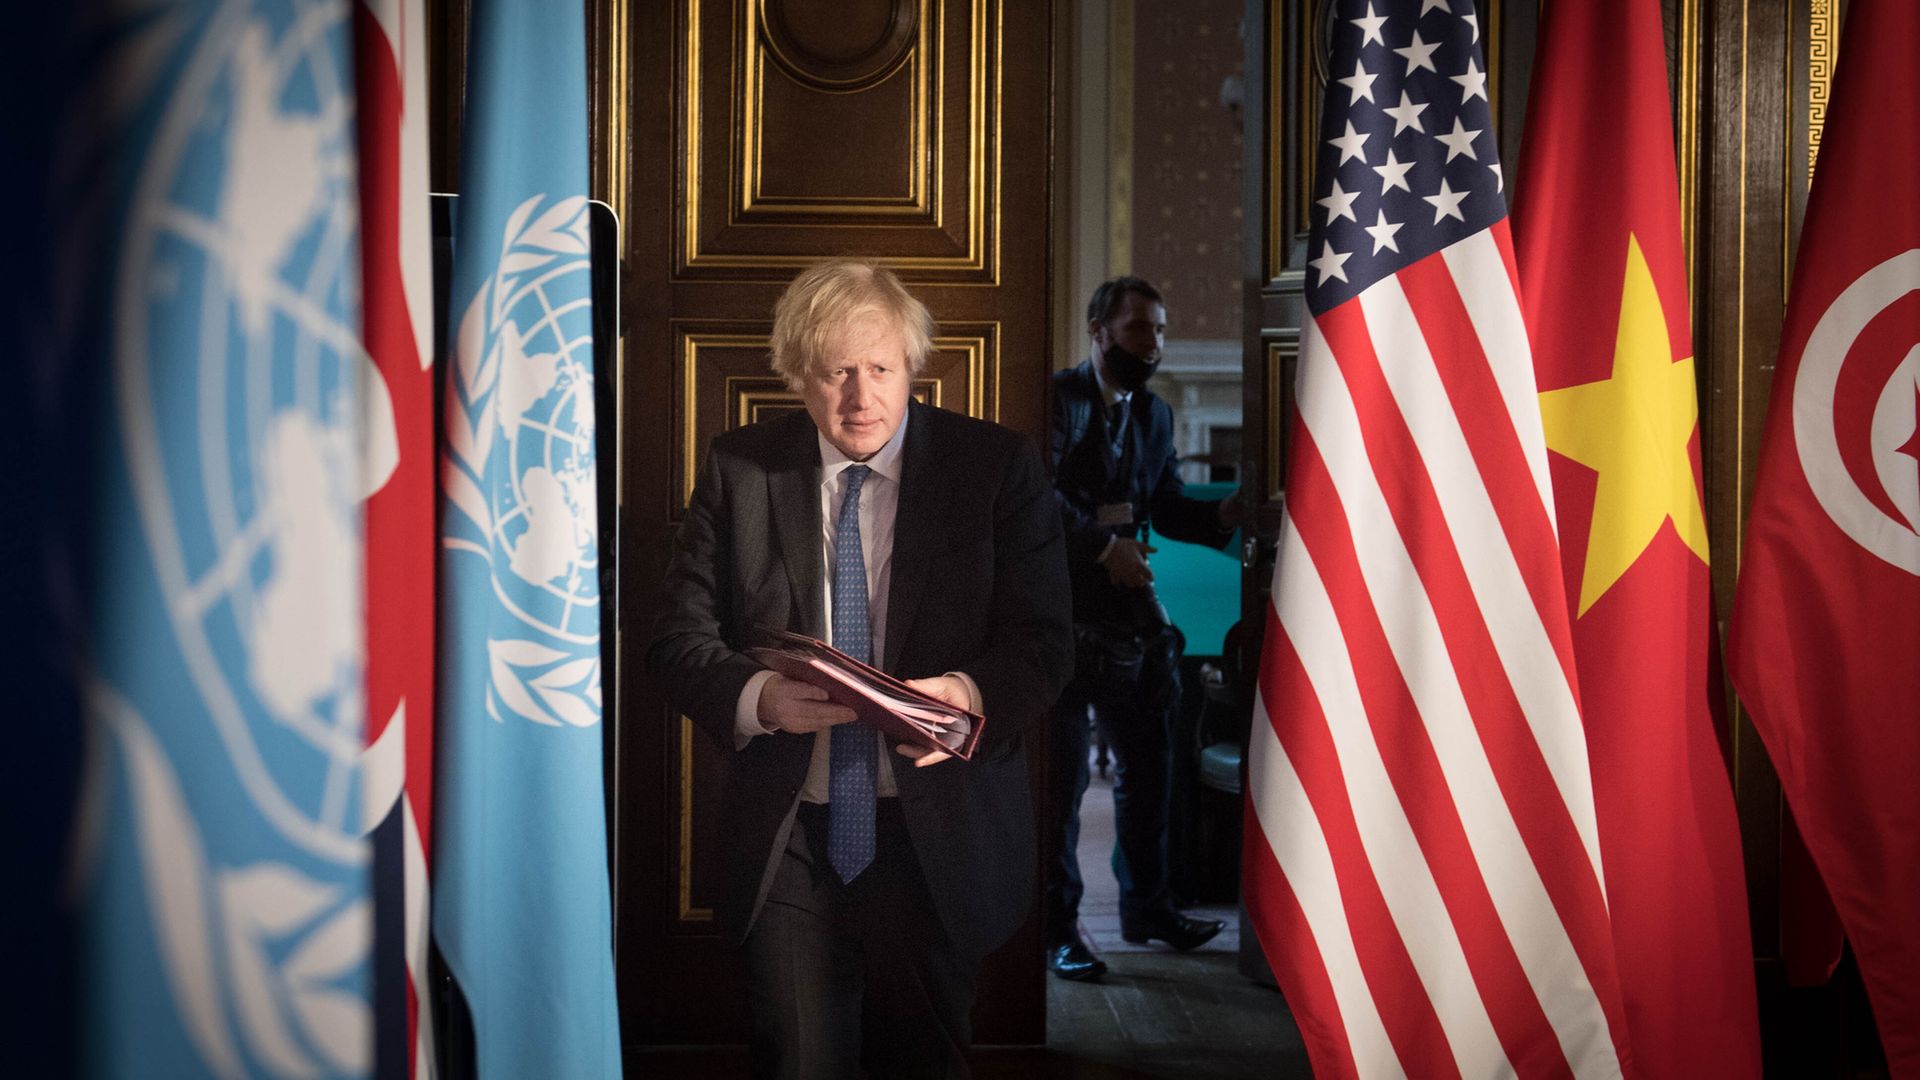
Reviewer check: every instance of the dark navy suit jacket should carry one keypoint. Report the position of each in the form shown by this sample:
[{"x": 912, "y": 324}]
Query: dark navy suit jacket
[
  {"x": 1145, "y": 473},
  {"x": 979, "y": 585}
]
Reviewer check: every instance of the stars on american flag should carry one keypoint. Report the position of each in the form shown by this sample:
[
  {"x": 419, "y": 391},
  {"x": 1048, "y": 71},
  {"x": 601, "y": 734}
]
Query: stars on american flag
[
  {"x": 1406, "y": 114},
  {"x": 1339, "y": 203},
  {"x": 1446, "y": 203},
  {"x": 1360, "y": 82},
  {"x": 1370, "y": 25},
  {"x": 1410, "y": 144},
  {"x": 1418, "y": 54},
  {"x": 1350, "y": 144},
  {"x": 1330, "y": 262},
  {"x": 1393, "y": 174},
  {"x": 1382, "y": 232},
  {"x": 1473, "y": 81},
  {"x": 1459, "y": 141}
]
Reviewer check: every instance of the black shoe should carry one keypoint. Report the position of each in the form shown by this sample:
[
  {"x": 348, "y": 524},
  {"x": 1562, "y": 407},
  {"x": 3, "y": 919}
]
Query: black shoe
[
  {"x": 1075, "y": 962},
  {"x": 1180, "y": 931}
]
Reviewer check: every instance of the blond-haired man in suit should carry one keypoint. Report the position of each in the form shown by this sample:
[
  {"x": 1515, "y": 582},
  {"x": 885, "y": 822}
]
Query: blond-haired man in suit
[{"x": 867, "y": 883}]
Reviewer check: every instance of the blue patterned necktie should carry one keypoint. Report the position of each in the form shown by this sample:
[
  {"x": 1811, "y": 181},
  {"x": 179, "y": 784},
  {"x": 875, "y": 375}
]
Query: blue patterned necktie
[{"x": 850, "y": 785}]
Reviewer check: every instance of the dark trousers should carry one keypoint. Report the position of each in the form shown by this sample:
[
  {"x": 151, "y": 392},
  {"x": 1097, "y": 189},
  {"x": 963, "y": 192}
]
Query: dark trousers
[
  {"x": 844, "y": 977},
  {"x": 1134, "y": 712}
]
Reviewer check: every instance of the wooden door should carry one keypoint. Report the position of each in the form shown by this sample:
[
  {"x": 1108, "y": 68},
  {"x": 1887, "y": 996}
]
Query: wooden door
[{"x": 742, "y": 140}]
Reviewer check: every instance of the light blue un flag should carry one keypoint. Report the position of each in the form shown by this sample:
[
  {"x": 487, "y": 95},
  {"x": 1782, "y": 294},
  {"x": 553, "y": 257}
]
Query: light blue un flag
[
  {"x": 521, "y": 906},
  {"x": 220, "y": 862}
]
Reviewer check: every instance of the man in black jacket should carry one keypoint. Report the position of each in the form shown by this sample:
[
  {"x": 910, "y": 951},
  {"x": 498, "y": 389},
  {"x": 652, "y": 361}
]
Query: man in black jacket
[
  {"x": 1116, "y": 474},
  {"x": 867, "y": 889}
]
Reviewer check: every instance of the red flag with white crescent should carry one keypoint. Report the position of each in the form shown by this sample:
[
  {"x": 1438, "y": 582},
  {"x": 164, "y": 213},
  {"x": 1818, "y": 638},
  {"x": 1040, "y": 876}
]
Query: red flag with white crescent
[
  {"x": 396, "y": 271},
  {"x": 1825, "y": 639}
]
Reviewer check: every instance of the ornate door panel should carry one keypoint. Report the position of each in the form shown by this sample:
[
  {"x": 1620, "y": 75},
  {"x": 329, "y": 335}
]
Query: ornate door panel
[
  {"x": 744, "y": 139},
  {"x": 784, "y": 97}
]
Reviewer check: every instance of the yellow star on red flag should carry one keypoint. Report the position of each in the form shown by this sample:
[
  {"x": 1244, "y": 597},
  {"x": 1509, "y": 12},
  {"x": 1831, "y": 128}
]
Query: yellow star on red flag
[{"x": 1633, "y": 428}]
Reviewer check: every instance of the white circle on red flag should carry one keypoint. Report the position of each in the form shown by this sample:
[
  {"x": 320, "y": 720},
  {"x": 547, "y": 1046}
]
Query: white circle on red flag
[{"x": 1891, "y": 426}]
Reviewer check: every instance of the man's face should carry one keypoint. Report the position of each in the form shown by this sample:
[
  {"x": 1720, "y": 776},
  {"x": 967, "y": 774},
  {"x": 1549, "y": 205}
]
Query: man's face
[
  {"x": 857, "y": 392},
  {"x": 1139, "y": 325}
]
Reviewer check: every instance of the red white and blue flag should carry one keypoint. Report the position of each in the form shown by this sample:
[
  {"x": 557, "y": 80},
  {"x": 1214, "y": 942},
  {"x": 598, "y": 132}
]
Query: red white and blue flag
[
  {"x": 396, "y": 303},
  {"x": 1423, "y": 857}
]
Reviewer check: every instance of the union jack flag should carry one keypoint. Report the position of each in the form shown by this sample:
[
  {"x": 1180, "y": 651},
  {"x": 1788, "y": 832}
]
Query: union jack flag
[{"x": 1422, "y": 854}]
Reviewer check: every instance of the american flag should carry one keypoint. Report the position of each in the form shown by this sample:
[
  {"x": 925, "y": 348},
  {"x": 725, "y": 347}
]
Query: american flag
[{"x": 1422, "y": 855}]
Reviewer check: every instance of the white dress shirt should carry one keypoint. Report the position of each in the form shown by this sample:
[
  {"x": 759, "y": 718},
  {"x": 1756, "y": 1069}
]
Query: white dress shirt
[{"x": 879, "y": 506}]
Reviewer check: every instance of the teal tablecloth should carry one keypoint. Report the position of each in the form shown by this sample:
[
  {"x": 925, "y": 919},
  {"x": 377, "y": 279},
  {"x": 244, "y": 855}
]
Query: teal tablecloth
[{"x": 1199, "y": 586}]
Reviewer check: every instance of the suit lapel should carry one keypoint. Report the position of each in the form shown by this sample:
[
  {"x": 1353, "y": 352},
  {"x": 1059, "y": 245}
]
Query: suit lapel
[
  {"x": 793, "y": 488},
  {"x": 916, "y": 533},
  {"x": 1103, "y": 420}
]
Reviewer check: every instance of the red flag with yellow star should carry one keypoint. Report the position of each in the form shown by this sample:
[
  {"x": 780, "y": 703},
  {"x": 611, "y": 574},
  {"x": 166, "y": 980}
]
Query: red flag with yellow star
[
  {"x": 1825, "y": 638},
  {"x": 1603, "y": 281}
]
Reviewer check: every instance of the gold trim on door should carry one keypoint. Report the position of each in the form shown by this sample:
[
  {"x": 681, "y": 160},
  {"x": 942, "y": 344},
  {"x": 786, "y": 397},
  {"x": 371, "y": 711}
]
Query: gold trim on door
[
  {"x": 1823, "y": 24},
  {"x": 1274, "y": 368},
  {"x": 683, "y": 869},
  {"x": 752, "y": 207}
]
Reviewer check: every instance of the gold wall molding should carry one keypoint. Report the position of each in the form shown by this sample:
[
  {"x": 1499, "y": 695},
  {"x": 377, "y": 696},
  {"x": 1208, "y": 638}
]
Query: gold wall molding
[
  {"x": 845, "y": 73},
  {"x": 616, "y": 132},
  {"x": 685, "y": 910},
  {"x": 1823, "y": 22},
  {"x": 1283, "y": 222},
  {"x": 919, "y": 60},
  {"x": 692, "y": 345},
  {"x": 978, "y": 351},
  {"x": 739, "y": 236},
  {"x": 1282, "y": 353},
  {"x": 616, "y": 152},
  {"x": 1687, "y": 133}
]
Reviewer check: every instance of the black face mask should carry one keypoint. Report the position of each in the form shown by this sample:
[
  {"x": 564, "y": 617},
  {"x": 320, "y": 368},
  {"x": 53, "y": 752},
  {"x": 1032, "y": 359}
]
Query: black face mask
[{"x": 1129, "y": 371}]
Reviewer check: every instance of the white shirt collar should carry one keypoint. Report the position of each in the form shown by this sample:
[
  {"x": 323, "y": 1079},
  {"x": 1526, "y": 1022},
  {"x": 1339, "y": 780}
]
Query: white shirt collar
[{"x": 885, "y": 461}]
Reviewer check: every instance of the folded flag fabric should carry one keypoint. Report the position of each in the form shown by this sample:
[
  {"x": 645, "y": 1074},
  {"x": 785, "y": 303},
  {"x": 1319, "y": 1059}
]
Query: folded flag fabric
[
  {"x": 1603, "y": 280},
  {"x": 1423, "y": 859},
  {"x": 520, "y": 903},
  {"x": 1825, "y": 636}
]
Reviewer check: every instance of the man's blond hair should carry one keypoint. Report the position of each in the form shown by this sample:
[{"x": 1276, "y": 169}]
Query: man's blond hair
[{"x": 828, "y": 297}]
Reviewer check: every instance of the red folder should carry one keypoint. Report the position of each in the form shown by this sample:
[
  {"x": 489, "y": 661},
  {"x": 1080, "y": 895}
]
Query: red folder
[{"x": 879, "y": 700}]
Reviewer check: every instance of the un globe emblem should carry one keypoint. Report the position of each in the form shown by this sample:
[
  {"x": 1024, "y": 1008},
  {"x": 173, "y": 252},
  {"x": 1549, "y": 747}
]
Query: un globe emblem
[
  {"x": 241, "y": 380},
  {"x": 547, "y": 518},
  {"x": 520, "y": 424}
]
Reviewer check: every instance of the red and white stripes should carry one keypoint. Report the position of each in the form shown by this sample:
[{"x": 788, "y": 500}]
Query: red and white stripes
[{"x": 1419, "y": 777}]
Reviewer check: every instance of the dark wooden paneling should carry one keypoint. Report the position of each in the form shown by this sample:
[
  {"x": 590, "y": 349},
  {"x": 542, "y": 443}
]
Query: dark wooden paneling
[
  {"x": 915, "y": 132},
  {"x": 1512, "y": 26},
  {"x": 446, "y": 90},
  {"x": 1740, "y": 253},
  {"x": 766, "y": 96}
]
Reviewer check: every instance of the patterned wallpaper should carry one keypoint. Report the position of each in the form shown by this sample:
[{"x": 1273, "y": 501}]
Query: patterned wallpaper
[{"x": 1186, "y": 168}]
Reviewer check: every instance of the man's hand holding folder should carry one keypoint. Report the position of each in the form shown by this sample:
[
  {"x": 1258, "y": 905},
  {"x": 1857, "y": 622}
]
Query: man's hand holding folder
[
  {"x": 947, "y": 689},
  {"x": 929, "y": 717}
]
